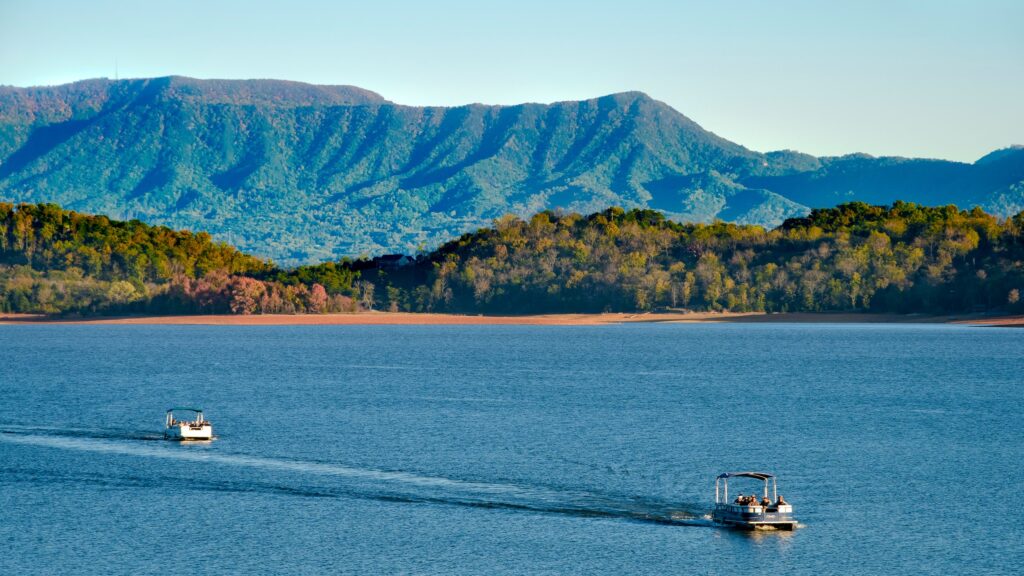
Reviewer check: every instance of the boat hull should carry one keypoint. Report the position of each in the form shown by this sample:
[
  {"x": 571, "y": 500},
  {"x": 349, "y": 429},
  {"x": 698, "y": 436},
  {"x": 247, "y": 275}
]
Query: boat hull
[
  {"x": 189, "y": 432},
  {"x": 754, "y": 517}
]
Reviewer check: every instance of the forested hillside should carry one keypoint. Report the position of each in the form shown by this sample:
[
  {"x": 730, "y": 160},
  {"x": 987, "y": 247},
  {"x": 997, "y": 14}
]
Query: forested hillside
[
  {"x": 306, "y": 174},
  {"x": 904, "y": 258},
  {"x": 57, "y": 261}
]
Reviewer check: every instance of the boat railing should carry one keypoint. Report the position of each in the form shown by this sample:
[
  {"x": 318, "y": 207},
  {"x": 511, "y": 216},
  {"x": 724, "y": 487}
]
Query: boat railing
[
  {"x": 758, "y": 509},
  {"x": 197, "y": 422}
]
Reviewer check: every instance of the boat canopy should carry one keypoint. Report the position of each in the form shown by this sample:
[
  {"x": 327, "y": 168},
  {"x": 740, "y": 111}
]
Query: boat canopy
[
  {"x": 184, "y": 409},
  {"x": 758, "y": 475},
  {"x": 763, "y": 476}
]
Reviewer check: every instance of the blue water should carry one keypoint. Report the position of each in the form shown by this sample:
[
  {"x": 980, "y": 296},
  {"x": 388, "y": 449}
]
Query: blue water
[{"x": 510, "y": 449}]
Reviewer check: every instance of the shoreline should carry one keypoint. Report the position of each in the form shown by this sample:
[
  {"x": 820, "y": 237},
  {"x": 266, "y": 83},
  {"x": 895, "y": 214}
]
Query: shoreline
[{"x": 432, "y": 319}]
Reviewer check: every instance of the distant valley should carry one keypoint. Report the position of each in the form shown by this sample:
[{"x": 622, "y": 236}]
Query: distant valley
[{"x": 302, "y": 173}]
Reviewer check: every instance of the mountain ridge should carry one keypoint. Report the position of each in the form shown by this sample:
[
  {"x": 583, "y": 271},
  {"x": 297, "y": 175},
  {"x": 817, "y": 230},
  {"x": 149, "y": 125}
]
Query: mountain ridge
[{"x": 301, "y": 173}]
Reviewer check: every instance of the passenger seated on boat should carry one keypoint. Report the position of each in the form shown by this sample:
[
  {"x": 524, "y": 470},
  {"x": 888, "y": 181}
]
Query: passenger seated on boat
[
  {"x": 739, "y": 499},
  {"x": 766, "y": 502},
  {"x": 781, "y": 501}
]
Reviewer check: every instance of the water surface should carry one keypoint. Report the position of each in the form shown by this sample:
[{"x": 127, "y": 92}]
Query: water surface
[{"x": 510, "y": 449}]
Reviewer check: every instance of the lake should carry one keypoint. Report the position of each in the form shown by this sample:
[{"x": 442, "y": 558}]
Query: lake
[{"x": 510, "y": 449}]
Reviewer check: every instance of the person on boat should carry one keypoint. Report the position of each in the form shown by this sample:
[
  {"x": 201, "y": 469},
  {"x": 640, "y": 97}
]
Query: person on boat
[
  {"x": 766, "y": 502},
  {"x": 781, "y": 501},
  {"x": 739, "y": 499}
]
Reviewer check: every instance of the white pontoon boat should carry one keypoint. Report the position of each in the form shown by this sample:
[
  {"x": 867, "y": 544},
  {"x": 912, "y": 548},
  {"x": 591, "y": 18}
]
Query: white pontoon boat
[
  {"x": 750, "y": 512},
  {"x": 197, "y": 429}
]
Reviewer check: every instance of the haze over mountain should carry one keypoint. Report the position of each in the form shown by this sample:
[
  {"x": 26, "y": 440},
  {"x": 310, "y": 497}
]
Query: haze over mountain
[{"x": 305, "y": 173}]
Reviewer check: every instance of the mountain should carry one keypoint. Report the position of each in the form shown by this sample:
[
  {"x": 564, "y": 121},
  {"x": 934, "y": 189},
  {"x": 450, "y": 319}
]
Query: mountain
[
  {"x": 304, "y": 173},
  {"x": 989, "y": 182}
]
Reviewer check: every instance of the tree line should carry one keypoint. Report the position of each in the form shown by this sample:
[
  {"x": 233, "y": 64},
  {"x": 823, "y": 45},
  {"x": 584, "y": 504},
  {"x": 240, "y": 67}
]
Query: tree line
[
  {"x": 901, "y": 258},
  {"x": 56, "y": 261}
]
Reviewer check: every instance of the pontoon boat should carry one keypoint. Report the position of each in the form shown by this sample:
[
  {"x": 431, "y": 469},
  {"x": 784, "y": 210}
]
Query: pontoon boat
[
  {"x": 197, "y": 429},
  {"x": 749, "y": 512}
]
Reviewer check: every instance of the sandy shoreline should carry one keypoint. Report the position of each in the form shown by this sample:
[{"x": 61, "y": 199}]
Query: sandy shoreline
[{"x": 408, "y": 318}]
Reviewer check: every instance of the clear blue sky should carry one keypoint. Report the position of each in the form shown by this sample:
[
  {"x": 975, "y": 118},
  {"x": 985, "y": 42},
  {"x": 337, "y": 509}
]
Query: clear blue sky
[{"x": 941, "y": 79}]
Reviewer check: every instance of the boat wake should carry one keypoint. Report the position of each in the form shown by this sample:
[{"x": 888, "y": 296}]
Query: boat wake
[
  {"x": 307, "y": 478},
  {"x": 96, "y": 433}
]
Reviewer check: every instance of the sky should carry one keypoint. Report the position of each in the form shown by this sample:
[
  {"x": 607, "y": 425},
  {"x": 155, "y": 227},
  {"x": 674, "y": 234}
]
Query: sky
[{"x": 937, "y": 79}]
